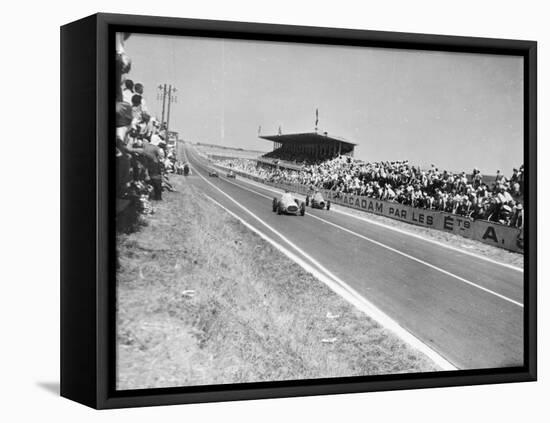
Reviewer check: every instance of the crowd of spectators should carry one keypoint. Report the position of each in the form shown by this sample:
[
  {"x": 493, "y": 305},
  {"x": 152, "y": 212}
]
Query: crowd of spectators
[
  {"x": 143, "y": 159},
  {"x": 248, "y": 166},
  {"x": 497, "y": 199}
]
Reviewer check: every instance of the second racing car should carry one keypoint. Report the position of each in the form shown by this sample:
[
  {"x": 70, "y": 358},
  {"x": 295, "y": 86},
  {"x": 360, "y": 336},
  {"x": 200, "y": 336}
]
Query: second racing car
[{"x": 316, "y": 201}]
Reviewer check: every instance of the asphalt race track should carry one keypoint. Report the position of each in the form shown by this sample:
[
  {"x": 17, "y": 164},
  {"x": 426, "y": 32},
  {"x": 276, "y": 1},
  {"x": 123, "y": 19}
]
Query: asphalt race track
[{"x": 467, "y": 309}]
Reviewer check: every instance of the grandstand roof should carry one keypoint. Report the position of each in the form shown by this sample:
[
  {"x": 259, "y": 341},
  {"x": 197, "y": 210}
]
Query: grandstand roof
[{"x": 305, "y": 138}]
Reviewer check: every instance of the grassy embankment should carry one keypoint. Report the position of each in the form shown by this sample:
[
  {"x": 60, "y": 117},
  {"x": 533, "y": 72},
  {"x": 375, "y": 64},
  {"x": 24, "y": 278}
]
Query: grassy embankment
[{"x": 202, "y": 300}]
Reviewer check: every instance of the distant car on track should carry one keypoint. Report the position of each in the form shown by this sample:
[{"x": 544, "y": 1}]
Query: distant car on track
[
  {"x": 288, "y": 204},
  {"x": 231, "y": 174},
  {"x": 213, "y": 173},
  {"x": 316, "y": 201}
]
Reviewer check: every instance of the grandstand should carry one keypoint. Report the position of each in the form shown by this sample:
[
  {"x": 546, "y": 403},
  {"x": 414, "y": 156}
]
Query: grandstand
[{"x": 305, "y": 148}]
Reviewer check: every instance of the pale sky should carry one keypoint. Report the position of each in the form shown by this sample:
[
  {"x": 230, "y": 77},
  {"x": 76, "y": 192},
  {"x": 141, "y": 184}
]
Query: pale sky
[{"x": 454, "y": 110}]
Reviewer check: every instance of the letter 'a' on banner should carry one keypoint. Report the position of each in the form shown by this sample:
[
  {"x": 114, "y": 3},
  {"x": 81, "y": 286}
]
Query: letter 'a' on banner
[{"x": 498, "y": 235}]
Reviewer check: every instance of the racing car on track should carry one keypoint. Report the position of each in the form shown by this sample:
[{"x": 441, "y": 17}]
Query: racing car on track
[
  {"x": 231, "y": 174},
  {"x": 288, "y": 204},
  {"x": 316, "y": 201},
  {"x": 213, "y": 173}
]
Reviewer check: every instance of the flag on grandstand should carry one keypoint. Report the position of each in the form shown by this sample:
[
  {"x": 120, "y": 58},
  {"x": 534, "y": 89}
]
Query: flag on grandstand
[
  {"x": 259, "y": 129},
  {"x": 316, "y": 118}
]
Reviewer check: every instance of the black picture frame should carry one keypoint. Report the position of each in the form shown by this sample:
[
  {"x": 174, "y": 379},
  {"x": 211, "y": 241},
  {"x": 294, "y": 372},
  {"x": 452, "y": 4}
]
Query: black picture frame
[{"x": 87, "y": 228}]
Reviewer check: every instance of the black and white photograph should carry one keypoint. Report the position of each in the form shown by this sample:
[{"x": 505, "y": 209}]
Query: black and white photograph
[{"x": 293, "y": 211}]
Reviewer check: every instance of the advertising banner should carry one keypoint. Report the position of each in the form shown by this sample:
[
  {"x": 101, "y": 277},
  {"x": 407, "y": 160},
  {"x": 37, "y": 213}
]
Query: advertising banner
[{"x": 426, "y": 218}]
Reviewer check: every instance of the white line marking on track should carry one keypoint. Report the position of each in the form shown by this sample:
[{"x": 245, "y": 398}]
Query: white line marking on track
[
  {"x": 466, "y": 281},
  {"x": 402, "y": 231},
  {"x": 350, "y": 295}
]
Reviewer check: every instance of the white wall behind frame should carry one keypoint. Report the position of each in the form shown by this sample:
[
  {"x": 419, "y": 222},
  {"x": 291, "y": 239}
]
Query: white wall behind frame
[{"x": 30, "y": 265}]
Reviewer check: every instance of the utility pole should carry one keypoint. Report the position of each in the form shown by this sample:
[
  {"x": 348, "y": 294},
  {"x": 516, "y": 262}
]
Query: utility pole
[
  {"x": 168, "y": 110},
  {"x": 167, "y": 95},
  {"x": 162, "y": 90}
]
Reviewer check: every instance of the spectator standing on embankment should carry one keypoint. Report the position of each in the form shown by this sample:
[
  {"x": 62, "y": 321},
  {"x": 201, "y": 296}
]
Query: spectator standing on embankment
[
  {"x": 153, "y": 159},
  {"x": 128, "y": 91}
]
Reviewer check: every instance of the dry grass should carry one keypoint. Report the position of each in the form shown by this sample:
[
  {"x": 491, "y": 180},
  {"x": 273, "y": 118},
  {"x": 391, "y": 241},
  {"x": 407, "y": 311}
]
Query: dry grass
[{"x": 252, "y": 314}]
